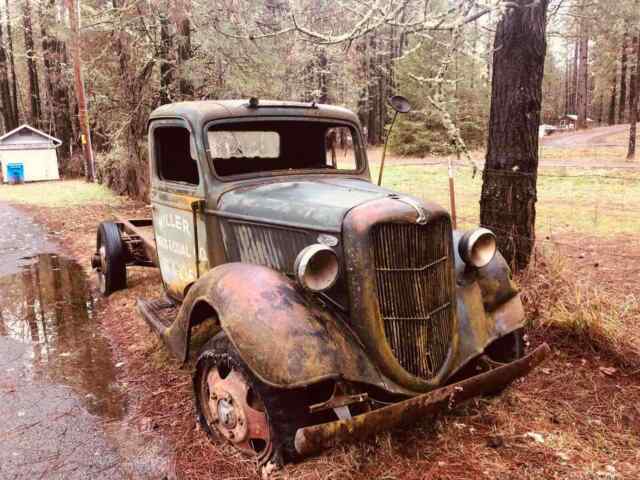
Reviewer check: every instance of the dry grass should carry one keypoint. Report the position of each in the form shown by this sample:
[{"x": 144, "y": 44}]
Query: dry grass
[{"x": 580, "y": 314}]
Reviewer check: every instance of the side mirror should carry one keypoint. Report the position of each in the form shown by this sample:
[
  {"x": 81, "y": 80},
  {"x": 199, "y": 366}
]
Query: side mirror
[{"x": 401, "y": 105}]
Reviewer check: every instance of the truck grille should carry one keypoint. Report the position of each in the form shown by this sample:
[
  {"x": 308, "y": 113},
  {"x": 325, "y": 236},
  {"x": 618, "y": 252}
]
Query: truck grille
[
  {"x": 272, "y": 247},
  {"x": 414, "y": 277}
]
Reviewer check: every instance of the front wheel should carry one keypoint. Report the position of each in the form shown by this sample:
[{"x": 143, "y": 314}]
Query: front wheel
[
  {"x": 258, "y": 419},
  {"x": 506, "y": 349},
  {"x": 109, "y": 260}
]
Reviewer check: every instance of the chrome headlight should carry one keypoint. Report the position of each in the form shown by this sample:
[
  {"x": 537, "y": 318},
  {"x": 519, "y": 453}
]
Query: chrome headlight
[
  {"x": 477, "y": 247},
  {"x": 316, "y": 268}
]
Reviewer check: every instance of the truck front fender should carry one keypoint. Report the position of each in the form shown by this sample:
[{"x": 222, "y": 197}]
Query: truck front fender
[
  {"x": 285, "y": 337},
  {"x": 488, "y": 305}
]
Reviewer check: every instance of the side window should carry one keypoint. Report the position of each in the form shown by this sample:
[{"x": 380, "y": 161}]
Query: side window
[
  {"x": 340, "y": 149},
  {"x": 175, "y": 159}
]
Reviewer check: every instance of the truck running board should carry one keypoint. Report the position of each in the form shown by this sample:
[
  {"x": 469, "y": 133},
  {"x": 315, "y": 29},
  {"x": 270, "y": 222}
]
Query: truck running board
[
  {"x": 312, "y": 439},
  {"x": 158, "y": 313}
]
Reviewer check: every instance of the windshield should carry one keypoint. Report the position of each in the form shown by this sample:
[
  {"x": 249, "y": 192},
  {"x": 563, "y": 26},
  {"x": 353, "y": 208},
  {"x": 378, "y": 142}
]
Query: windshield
[{"x": 253, "y": 147}]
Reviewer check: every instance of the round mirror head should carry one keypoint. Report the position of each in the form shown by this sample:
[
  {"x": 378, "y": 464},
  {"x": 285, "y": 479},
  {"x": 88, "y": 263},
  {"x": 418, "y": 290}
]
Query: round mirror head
[{"x": 400, "y": 104}]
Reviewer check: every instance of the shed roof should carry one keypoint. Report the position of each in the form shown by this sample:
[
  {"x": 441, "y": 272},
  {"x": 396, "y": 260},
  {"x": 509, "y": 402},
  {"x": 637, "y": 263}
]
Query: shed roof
[
  {"x": 200, "y": 112},
  {"x": 25, "y": 136},
  {"x": 573, "y": 117}
]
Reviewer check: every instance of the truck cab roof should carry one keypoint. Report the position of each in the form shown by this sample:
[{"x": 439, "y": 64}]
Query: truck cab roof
[{"x": 198, "y": 113}]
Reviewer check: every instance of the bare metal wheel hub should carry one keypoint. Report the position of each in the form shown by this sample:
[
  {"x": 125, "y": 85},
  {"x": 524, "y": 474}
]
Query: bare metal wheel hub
[
  {"x": 99, "y": 262},
  {"x": 236, "y": 413},
  {"x": 226, "y": 414},
  {"x": 102, "y": 264}
]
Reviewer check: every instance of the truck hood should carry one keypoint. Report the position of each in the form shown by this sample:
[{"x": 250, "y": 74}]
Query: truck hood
[{"x": 318, "y": 204}]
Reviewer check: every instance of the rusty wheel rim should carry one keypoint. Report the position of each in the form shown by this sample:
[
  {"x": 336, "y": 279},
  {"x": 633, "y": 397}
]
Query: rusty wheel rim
[{"x": 236, "y": 412}]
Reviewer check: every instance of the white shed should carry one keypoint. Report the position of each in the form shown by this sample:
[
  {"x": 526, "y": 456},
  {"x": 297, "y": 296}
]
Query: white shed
[{"x": 28, "y": 155}]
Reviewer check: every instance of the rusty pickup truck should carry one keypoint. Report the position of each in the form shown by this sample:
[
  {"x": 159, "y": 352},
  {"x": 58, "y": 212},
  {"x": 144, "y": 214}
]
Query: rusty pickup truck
[{"x": 315, "y": 305}]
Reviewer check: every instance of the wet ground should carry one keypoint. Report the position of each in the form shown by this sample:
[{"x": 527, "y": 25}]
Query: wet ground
[{"x": 63, "y": 414}]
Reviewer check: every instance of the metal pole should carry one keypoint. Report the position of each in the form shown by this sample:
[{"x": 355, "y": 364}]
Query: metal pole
[
  {"x": 384, "y": 150},
  {"x": 452, "y": 196},
  {"x": 73, "y": 8}
]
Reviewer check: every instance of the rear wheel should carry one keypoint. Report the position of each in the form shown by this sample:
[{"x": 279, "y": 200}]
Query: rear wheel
[
  {"x": 258, "y": 419},
  {"x": 109, "y": 260}
]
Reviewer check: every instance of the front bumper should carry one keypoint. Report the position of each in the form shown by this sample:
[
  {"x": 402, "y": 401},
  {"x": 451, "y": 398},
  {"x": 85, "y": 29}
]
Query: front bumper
[{"x": 312, "y": 439}]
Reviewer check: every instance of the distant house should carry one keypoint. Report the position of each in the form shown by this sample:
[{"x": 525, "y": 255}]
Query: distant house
[
  {"x": 545, "y": 130},
  {"x": 568, "y": 122},
  {"x": 28, "y": 155}
]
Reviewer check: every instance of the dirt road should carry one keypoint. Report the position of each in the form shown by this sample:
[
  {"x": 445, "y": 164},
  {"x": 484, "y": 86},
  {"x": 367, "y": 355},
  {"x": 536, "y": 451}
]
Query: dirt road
[
  {"x": 584, "y": 138},
  {"x": 63, "y": 413}
]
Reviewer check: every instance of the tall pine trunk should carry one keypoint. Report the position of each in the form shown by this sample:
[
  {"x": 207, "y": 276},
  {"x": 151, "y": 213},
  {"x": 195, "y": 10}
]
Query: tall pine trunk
[
  {"x": 574, "y": 78},
  {"x": 182, "y": 13},
  {"x": 58, "y": 103},
  {"x": 508, "y": 198},
  {"x": 635, "y": 102},
  {"x": 567, "y": 86},
  {"x": 622, "y": 110},
  {"x": 583, "y": 78},
  {"x": 8, "y": 113},
  {"x": 12, "y": 65},
  {"x": 614, "y": 97},
  {"x": 166, "y": 64},
  {"x": 32, "y": 69}
]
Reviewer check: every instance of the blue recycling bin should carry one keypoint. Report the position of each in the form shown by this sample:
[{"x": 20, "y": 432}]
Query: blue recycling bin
[{"x": 15, "y": 172}]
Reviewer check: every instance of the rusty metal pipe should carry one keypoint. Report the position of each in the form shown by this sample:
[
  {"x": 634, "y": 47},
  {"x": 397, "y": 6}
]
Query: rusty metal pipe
[{"x": 315, "y": 438}]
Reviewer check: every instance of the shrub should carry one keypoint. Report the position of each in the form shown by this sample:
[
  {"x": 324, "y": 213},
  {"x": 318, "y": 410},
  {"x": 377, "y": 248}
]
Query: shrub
[{"x": 123, "y": 173}]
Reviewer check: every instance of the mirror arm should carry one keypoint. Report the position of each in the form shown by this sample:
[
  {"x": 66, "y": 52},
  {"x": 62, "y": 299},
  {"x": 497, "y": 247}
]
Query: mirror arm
[{"x": 384, "y": 150}]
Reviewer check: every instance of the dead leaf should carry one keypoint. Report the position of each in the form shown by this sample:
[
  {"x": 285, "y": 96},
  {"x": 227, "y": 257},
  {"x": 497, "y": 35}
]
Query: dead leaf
[{"x": 610, "y": 371}]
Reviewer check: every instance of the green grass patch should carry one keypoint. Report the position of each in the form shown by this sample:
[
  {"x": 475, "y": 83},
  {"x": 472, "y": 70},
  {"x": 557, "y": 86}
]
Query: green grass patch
[
  {"x": 589, "y": 201},
  {"x": 65, "y": 193}
]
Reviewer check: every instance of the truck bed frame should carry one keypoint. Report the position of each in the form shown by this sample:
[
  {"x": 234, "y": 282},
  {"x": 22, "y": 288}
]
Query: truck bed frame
[{"x": 139, "y": 240}]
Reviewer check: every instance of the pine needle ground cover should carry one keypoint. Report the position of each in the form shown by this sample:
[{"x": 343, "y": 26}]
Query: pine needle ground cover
[{"x": 576, "y": 417}]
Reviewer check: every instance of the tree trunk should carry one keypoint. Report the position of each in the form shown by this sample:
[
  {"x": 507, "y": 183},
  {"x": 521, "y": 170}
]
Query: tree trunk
[
  {"x": 567, "y": 87},
  {"x": 633, "y": 109},
  {"x": 166, "y": 66},
  {"x": 601, "y": 109},
  {"x": 8, "y": 113},
  {"x": 323, "y": 80},
  {"x": 182, "y": 13},
  {"x": 81, "y": 99},
  {"x": 12, "y": 65},
  {"x": 32, "y": 69},
  {"x": 133, "y": 180},
  {"x": 622, "y": 110},
  {"x": 583, "y": 78},
  {"x": 574, "y": 78},
  {"x": 614, "y": 97},
  {"x": 55, "y": 58},
  {"x": 508, "y": 198}
]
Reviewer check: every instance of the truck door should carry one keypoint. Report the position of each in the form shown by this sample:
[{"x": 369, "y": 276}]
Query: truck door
[{"x": 177, "y": 198}]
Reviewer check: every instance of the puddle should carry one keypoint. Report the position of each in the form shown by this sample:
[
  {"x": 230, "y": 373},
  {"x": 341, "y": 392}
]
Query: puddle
[
  {"x": 47, "y": 305},
  {"x": 62, "y": 413}
]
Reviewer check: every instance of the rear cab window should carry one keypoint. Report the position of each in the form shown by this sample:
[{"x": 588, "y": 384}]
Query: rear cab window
[{"x": 175, "y": 155}]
